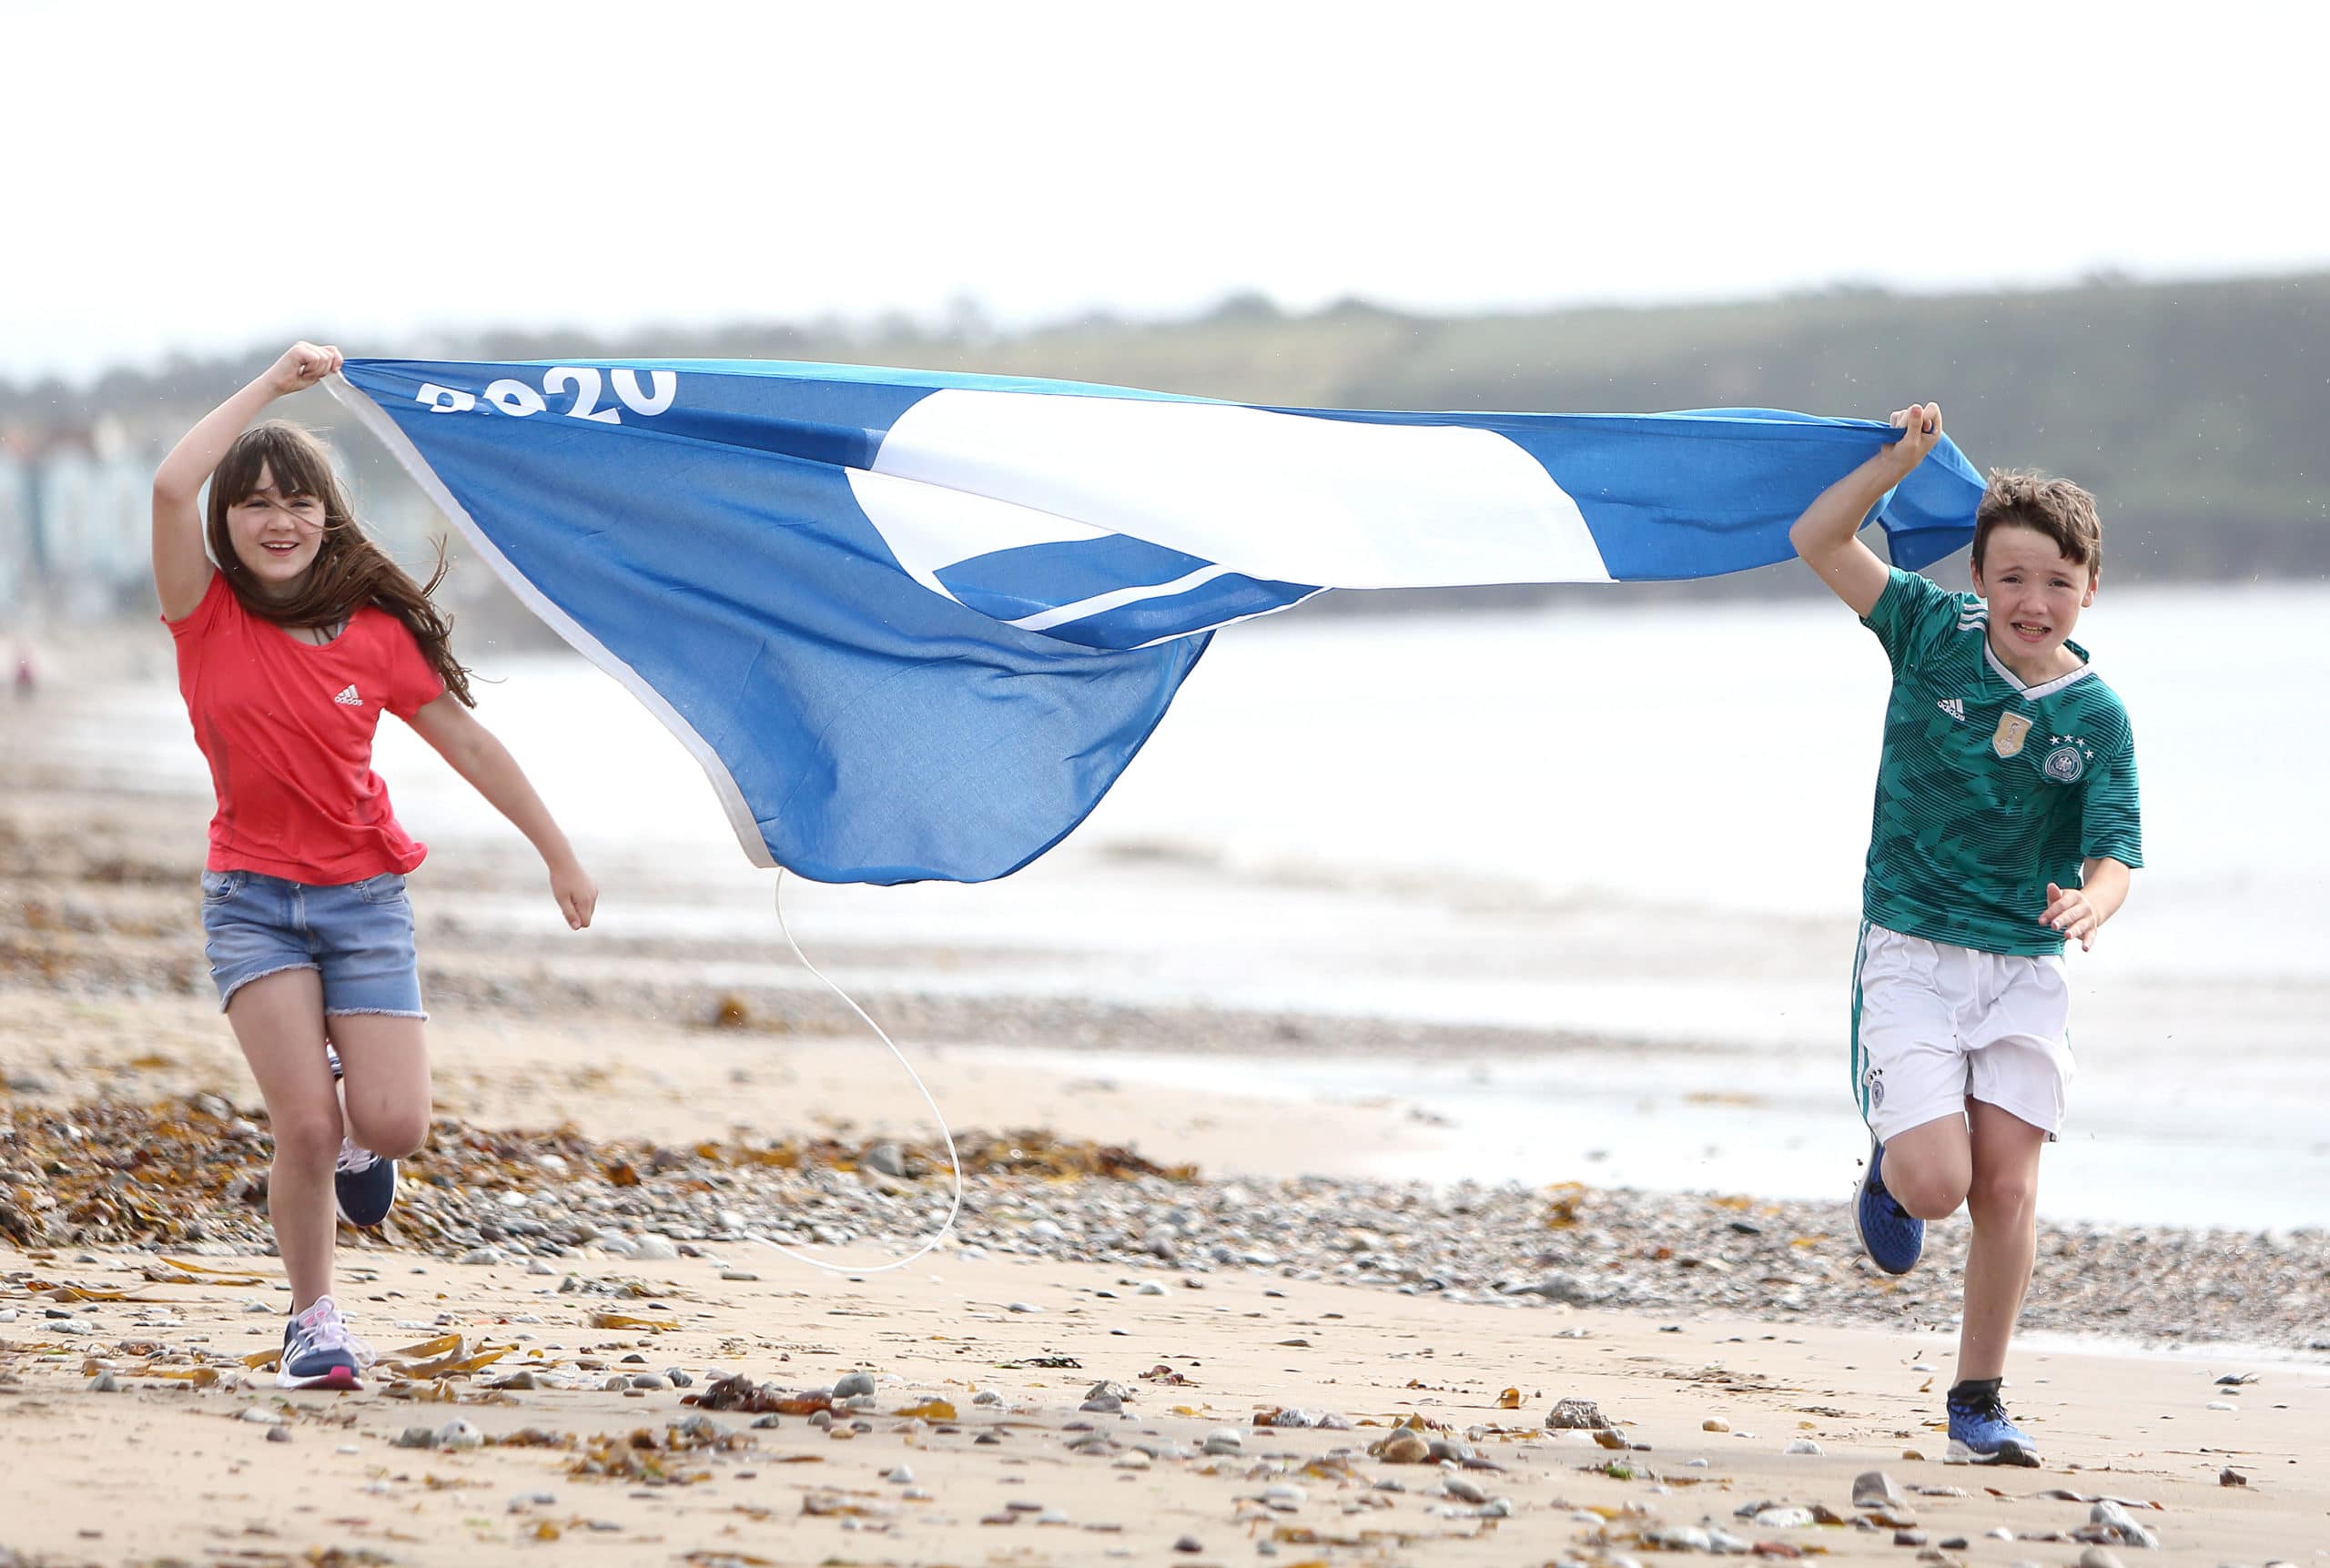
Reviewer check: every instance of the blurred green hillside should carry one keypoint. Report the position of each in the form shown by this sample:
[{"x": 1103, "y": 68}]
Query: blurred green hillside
[{"x": 2198, "y": 412}]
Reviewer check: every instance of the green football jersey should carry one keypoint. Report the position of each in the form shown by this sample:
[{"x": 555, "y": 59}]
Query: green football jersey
[{"x": 1987, "y": 789}]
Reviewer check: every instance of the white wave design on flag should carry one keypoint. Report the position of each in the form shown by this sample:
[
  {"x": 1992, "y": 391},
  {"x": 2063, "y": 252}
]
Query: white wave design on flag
[{"x": 1280, "y": 502}]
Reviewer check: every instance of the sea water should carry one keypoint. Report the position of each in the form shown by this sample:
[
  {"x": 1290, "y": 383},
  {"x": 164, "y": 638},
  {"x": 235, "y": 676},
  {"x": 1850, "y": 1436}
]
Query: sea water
[{"x": 1638, "y": 825}]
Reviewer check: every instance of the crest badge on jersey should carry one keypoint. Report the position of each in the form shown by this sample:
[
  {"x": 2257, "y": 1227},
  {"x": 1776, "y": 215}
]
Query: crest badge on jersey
[
  {"x": 2067, "y": 763},
  {"x": 2007, "y": 739}
]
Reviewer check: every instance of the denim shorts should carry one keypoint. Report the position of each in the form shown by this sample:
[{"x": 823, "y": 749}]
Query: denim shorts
[{"x": 358, "y": 935}]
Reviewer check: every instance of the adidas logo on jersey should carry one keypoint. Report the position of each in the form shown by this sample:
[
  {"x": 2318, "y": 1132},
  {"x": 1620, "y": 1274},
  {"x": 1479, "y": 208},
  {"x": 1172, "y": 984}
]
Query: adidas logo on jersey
[
  {"x": 1954, "y": 707},
  {"x": 348, "y": 699}
]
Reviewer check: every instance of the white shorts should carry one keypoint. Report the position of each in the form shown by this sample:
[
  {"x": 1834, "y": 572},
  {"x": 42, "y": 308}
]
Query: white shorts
[{"x": 1935, "y": 1025}]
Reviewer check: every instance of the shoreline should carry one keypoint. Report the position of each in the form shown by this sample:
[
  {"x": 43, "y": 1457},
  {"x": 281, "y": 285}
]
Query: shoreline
[
  {"x": 1157, "y": 1333},
  {"x": 103, "y": 1000}
]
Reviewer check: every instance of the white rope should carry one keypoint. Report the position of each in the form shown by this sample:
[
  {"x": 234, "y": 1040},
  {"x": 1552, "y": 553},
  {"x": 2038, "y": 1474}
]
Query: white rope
[{"x": 954, "y": 1161}]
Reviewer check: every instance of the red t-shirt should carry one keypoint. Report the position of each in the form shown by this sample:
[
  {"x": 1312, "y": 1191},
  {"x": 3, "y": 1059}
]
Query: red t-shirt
[{"x": 287, "y": 729}]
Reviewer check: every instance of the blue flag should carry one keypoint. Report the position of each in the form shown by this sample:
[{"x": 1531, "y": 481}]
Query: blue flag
[{"x": 913, "y": 625}]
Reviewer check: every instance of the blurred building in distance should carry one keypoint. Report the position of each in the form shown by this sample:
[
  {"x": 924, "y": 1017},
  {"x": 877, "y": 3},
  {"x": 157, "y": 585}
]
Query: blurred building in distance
[{"x": 76, "y": 519}]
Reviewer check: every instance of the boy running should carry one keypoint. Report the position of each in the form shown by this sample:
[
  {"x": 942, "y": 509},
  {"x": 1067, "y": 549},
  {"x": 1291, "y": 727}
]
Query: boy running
[{"x": 2005, "y": 822}]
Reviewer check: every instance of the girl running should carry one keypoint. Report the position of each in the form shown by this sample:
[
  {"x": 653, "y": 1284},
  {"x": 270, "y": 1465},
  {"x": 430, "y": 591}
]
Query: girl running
[{"x": 289, "y": 648}]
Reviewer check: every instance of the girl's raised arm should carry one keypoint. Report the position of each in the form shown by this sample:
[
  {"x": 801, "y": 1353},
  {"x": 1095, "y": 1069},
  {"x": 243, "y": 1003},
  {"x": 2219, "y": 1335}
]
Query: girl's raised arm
[{"x": 181, "y": 571}]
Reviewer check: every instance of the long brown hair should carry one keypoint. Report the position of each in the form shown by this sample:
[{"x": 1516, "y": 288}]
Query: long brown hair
[{"x": 348, "y": 571}]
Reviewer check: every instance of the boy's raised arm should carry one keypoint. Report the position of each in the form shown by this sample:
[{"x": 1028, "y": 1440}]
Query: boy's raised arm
[{"x": 1827, "y": 536}]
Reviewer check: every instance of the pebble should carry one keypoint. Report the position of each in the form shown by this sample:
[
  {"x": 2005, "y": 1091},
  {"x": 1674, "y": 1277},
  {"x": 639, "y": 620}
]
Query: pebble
[
  {"x": 2119, "y": 1529},
  {"x": 2098, "y": 1557},
  {"x": 536, "y": 1266},
  {"x": 987, "y": 1396},
  {"x": 1023, "y": 1307},
  {"x": 1802, "y": 1445},
  {"x": 1103, "y": 1404},
  {"x": 459, "y": 1434},
  {"x": 649, "y": 1380},
  {"x": 898, "y": 1476},
  {"x": 1133, "y": 1461},
  {"x": 1678, "y": 1538},
  {"x": 1189, "y": 1543},
  {"x": 1151, "y": 1287},
  {"x": 1463, "y": 1488},
  {"x": 414, "y": 1437},
  {"x": 1875, "y": 1488},
  {"x": 1284, "y": 1497},
  {"x": 854, "y": 1385},
  {"x": 1787, "y": 1517},
  {"x": 482, "y": 1255},
  {"x": 262, "y": 1417},
  {"x": 1714, "y": 1424},
  {"x": 1405, "y": 1446},
  {"x": 105, "y": 1383},
  {"x": 278, "y": 1434},
  {"x": 1225, "y": 1439},
  {"x": 1575, "y": 1414},
  {"x": 886, "y": 1158}
]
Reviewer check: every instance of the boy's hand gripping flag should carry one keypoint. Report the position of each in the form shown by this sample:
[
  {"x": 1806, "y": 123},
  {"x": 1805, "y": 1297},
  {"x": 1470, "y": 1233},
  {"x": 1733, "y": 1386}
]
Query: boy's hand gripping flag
[{"x": 914, "y": 624}]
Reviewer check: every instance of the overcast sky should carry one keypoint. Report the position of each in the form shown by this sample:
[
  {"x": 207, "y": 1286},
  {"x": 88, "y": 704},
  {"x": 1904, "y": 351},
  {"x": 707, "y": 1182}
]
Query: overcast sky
[{"x": 359, "y": 171}]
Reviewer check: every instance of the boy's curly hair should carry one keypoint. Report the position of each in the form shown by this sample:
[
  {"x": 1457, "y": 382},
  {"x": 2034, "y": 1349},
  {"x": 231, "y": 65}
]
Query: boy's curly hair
[{"x": 2018, "y": 498}]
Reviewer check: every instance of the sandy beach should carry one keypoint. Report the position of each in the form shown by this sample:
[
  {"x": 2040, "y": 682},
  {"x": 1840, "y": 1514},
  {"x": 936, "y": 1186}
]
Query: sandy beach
[{"x": 1172, "y": 1324}]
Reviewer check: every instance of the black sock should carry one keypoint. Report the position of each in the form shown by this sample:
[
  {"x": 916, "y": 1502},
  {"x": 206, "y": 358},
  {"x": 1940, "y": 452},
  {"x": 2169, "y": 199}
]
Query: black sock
[{"x": 1968, "y": 1391}]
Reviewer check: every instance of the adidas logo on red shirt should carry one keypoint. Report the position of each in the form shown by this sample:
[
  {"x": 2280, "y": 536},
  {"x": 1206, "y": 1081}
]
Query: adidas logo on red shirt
[{"x": 348, "y": 698}]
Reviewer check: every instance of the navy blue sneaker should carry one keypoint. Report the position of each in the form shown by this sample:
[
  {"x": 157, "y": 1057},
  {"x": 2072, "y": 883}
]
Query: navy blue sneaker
[
  {"x": 363, "y": 1185},
  {"x": 1980, "y": 1432},
  {"x": 1890, "y": 1234},
  {"x": 319, "y": 1352}
]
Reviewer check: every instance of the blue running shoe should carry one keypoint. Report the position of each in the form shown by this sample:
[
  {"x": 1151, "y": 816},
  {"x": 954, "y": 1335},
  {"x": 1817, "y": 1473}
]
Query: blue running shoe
[
  {"x": 363, "y": 1185},
  {"x": 1890, "y": 1234},
  {"x": 319, "y": 1352},
  {"x": 1980, "y": 1432}
]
